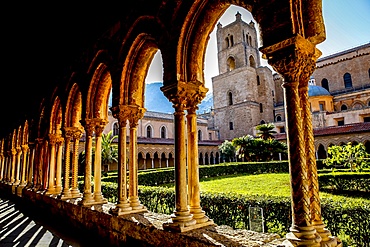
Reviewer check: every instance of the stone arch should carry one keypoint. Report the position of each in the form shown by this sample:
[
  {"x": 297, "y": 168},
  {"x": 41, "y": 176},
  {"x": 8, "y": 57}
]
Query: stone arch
[
  {"x": 73, "y": 112},
  {"x": 149, "y": 131},
  {"x": 252, "y": 61},
  {"x": 98, "y": 93},
  {"x": 163, "y": 131},
  {"x": 321, "y": 152},
  {"x": 357, "y": 105},
  {"x": 56, "y": 118},
  {"x": 231, "y": 63}
]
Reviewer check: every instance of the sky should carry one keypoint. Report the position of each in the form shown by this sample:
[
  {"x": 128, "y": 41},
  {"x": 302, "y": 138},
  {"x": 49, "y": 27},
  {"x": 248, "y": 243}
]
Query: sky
[{"x": 347, "y": 25}]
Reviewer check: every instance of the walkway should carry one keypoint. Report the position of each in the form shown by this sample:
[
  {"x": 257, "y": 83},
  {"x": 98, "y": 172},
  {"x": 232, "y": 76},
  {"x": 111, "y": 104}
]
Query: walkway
[{"x": 21, "y": 228}]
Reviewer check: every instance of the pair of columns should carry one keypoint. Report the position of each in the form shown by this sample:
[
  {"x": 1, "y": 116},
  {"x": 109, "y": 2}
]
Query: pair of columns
[
  {"x": 95, "y": 125},
  {"x": 128, "y": 197},
  {"x": 55, "y": 164},
  {"x": 295, "y": 59}
]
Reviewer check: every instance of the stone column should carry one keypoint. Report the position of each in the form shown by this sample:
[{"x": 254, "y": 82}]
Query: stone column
[
  {"x": 58, "y": 179},
  {"x": 309, "y": 142},
  {"x": 289, "y": 58},
  {"x": 99, "y": 127},
  {"x": 193, "y": 169},
  {"x": 30, "y": 166},
  {"x": 18, "y": 165},
  {"x": 9, "y": 166},
  {"x": 25, "y": 151},
  {"x": 123, "y": 206},
  {"x": 136, "y": 113},
  {"x": 13, "y": 167},
  {"x": 37, "y": 165},
  {"x": 51, "y": 180},
  {"x": 75, "y": 191},
  {"x": 185, "y": 96},
  {"x": 88, "y": 198},
  {"x": 68, "y": 134}
]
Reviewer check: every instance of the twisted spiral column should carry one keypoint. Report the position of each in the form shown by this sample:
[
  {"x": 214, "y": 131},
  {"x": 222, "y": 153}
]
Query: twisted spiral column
[
  {"x": 66, "y": 193},
  {"x": 76, "y": 134},
  {"x": 289, "y": 58},
  {"x": 312, "y": 176}
]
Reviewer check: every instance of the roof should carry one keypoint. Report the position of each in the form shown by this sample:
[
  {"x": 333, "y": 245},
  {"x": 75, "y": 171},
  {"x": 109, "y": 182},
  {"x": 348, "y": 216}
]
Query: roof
[
  {"x": 335, "y": 130},
  {"x": 314, "y": 90}
]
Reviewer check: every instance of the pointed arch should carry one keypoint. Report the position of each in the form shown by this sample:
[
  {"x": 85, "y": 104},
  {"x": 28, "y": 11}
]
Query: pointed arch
[{"x": 73, "y": 112}]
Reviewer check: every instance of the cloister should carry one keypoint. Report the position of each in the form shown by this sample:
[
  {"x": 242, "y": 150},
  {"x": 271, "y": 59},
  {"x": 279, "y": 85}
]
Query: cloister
[{"x": 37, "y": 157}]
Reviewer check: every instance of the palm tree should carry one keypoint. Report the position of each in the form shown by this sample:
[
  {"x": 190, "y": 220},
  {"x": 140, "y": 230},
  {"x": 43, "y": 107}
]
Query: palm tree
[
  {"x": 109, "y": 151},
  {"x": 244, "y": 146},
  {"x": 265, "y": 131}
]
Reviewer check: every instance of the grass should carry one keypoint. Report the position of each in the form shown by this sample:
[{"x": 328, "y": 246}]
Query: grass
[{"x": 271, "y": 184}]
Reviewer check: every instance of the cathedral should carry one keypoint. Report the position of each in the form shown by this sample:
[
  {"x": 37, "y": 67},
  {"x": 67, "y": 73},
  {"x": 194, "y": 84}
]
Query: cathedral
[{"x": 246, "y": 94}]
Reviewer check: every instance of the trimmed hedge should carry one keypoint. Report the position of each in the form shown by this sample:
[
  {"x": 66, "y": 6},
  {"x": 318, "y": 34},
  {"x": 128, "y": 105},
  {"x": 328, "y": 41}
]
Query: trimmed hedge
[
  {"x": 167, "y": 175},
  {"x": 345, "y": 182}
]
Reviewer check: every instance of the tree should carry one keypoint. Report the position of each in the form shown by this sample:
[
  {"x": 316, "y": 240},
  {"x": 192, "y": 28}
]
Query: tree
[
  {"x": 227, "y": 150},
  {"x": 244, "y": 146},
  {"x": 109, "y": 151},
  {"x": 265, "y": 131},
  {"x": 353, "y": 156}
]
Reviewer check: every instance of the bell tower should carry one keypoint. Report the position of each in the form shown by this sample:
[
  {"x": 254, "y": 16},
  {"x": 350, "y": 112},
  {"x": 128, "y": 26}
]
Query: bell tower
[{"x": 243, "y": 90}]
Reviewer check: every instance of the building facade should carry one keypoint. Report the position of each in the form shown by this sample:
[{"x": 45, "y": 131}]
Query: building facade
[{"x": 247, "y": 94}]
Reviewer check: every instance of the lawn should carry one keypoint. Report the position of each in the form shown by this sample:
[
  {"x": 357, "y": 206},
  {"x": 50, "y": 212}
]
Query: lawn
[{"x": 271, "y": 184}]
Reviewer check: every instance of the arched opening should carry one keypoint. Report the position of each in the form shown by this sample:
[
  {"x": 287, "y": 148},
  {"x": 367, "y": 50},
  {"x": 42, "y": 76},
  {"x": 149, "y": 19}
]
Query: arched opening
[
  {"x": 343, "y": 107},
  {"x": 230, "y": 97},
  {"x": 200, "y": 137},
  {"x": 201, "y": 158},
  {"x": 325, "y": 84},
  {"x": 231, "y": 65},
  {"x": 115, "y": 129},
  {"x": 321, "y": 152},
  {"x": 252, "y": 62},
  {"x": 163, "y": 132},
  {"x": 149, "y": 131},
  {"x": 347, "y": 80}
]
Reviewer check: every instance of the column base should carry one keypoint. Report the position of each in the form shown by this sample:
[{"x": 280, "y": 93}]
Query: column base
[
  {"x": 19, "y": 189},
  {"x": 302, "y": 236},
  {"x": 124, "y": 211},
  {"x": 181, "y": 222},
  {"x": 327, "y": 239},
  {"x": 199, "y": 215}
]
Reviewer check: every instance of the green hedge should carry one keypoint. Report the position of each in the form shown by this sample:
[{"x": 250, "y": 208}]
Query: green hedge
[
  {"x": 167, "y": 175},
  {"x": 345, "y": 182},
  {"x": 343, "y": 218}
]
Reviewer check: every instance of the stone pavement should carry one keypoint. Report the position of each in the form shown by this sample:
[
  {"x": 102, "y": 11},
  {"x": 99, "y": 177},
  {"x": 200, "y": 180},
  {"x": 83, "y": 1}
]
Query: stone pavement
[{"x": 17, "y": 228}]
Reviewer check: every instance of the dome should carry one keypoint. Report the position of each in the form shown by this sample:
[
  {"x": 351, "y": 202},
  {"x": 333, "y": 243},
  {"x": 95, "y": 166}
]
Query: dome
[{"x": 314, "y": 90}]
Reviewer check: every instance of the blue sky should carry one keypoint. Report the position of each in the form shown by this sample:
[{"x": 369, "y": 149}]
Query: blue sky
[{"x": 347, "y": 25}]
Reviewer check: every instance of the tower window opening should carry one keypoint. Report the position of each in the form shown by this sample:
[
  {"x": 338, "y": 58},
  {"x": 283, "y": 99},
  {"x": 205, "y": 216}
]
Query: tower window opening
[
  {"x": 230, "y": 95},
  {"x": 347, "y": 80}
]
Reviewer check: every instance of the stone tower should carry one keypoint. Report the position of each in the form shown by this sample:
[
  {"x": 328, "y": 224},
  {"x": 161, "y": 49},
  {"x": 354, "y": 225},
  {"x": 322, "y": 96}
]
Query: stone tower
[{"x": 243, "y": 92}]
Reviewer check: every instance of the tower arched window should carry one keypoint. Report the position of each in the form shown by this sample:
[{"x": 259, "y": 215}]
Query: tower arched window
[
  {"x": 250, "y": 41},
  {"x": 247, "y": 38},
  {"x": 343, "y": 108},
  {"x": 347, "y": 80},
  {"x": 115, "y": 129},
  {"x": 261, "y": 107},
  {"x": 258, "y": 80},
  {"x": 230, "y": 63},
  {"x": 199, "y": 135},
  {"x": 231, "y": 40},
  {"x": 227, "y": 42},
  {"x": 230, "y": 96},
  {"x": 278, "y": 118},
  {"x": 149, "y": 131},
  {"x": 163, "y": 132},
  {"x": 325, "y": 83},
  {"x": 252, "y": 62}
]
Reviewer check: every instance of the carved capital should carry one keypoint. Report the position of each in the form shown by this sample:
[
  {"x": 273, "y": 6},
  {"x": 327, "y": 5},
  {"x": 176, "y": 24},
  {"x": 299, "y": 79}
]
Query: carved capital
[
  {"x": 133, "y": 113},
  {"x": 185, "y": 95},
  {"x": 294, "y": 58},
  {"x": 122, "y": 114},
  {"x": 25, "y": 148},
  {"x": 52, "y": 139}
]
